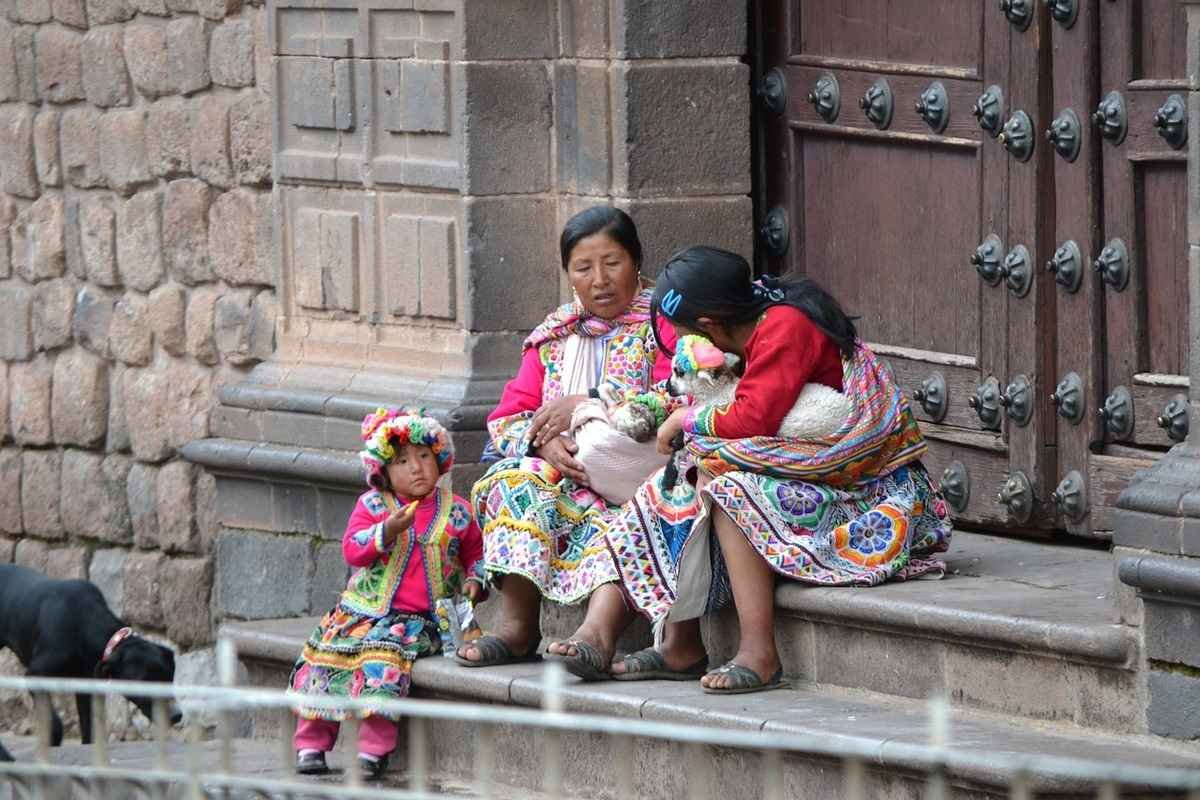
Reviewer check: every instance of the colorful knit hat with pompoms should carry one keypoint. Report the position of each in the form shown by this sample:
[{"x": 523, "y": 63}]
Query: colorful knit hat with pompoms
[
  {"x": 694, "y": 353},
  {"x": 389, "y": 429}
]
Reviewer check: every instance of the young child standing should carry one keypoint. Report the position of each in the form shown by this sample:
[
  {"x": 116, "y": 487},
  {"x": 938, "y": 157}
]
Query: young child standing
[{"x": 414, "y": 544}]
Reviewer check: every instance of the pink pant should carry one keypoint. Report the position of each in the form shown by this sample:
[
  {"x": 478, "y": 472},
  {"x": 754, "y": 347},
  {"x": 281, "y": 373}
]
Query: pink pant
[{"x": 376, "y": 735}]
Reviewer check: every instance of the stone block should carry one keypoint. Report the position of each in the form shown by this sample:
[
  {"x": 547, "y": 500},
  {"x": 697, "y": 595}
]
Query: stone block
[
  {"x": 584, "y": 28},
  {"x": 141, "y": 495},
  {"x": 182, "y": 6},
  {"x": 168, "y": 137},
  {"x": 146, "y": 390},
  {"x": 680, "y": 129},
  {"x": 59, "y": 64},
  {"x": 70, "y": 12},
  {"x": 329, "y": 578},
  {"x": 261, "y": 576},
  {"x": 688, "y": 28},
  {"x": 29, "y": 402},
  {"x": 106, "y": 12},
  {"x": 93, "y": 318},
  {"x": 165, "y": 313},
  {"x": 34, "y": 11},
  {"x": 106, "y": 80},
  {"x": 8, "y": 550},
  {"x": 10, "y": 87},
  {"x": 53, "y": 314},
  {"x": 142, "y": 590},
  {"x": 210, "y": 141},
  {"x": 4, "y": 426},
  {"x": 1174, "y": 707},
  {"x": 187, "y": 591},
  {"x": 207, "y": 511},
  {"x": 32, "y": 554},
  {"x": 39, "y": 240},
  {"x": 509, "y": 118},
  {"x": 263, "y": 314},
  {"x": 520, "y": 29},
  {"x": 176, "y": 494},
  {"x": 123, "y": 149},
  {"x": 231, "y": 54},
  {"x": 96, "y": 486},
  {"x": 10, "y": 491},
  {"x": 67, "y": 564},
  {"x": 118, "y": 429},
  {"x": 185, "y": 231},
  {"x": 262, "y": 51},
  {"x": 8, "y": 213},
  {"x": 201, "y": 311},
  {"x": 234, "y": 237},
  {"x": 24, "y": 50},
  {"x": 79, "y": 407},
  {"x": 18, "y": 166},
  {"x": 107, "y": 571},
  {"x": 98, "y": 240},
  {"x": 79, "y": 147},
  {"x": 510, "y": 242},
  {"x": 217, "y": 10},
  {"x": 249, "y": 147},
  {"x": 187, "y": 54},
  {"x": 231, "y": 327},
  {"x": 1170, "y": 630},
  {"x": 190, "y": 400},
  {"x": 16, "y": 322},
  {"x": 45, "y": 147},
  {"x": 41, "y": 490},
  {"x": 129, "y": 336},
  {"x": 139, "y": 241},
  {"x": 667, "y": 225},
  {"x": 583, "y": 128},
  {"x": 146, "y": 57},
  {"x": 156, "y": 8}
]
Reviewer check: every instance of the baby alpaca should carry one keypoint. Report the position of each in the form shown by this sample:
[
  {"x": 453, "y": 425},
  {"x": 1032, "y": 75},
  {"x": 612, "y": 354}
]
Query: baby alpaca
[
  {"x": 627, "y": 415},
  {"x": 703, "y": 371}
]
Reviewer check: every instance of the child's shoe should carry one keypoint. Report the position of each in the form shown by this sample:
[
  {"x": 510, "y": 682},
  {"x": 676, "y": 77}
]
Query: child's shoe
[
  {"x": 372, "y": 767},
  {"x": 311, "y": 762}
]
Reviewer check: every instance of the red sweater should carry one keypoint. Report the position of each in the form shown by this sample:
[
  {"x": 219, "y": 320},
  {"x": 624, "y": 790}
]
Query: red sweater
[{"x": 785, "y": 352}]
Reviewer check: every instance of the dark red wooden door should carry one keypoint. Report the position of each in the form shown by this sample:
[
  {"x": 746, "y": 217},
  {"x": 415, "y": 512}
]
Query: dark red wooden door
[{"x": 887, "y": 210}]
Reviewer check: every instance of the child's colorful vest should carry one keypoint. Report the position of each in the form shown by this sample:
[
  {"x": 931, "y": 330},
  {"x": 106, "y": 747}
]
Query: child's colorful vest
[{"x": 372, "y": 588}]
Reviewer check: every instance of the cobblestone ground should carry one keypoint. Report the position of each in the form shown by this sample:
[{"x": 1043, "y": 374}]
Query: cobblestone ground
[{"x": 252, "y": 757}]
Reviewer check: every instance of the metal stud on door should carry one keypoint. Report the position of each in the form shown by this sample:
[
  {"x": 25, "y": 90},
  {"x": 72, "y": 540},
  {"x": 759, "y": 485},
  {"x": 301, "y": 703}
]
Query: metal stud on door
[
  {"x": 1068, "y": 398},
  {"x": 987, "y": 259},
  {"x": 877, "y": 104},
  {"x": 988, "y": 108},
  {"x": 986, "y": 403},
  {"x": 933, "y": 397},
  {"x": 1016, "y": 495},
  {"x": 934, "y": 107},
  {"x": 1018, "y": 12},
  {"x": 1112, "y": 118},
  {"x": 1070, "y": 498},
  {"x": 1017, "y": 136},
  {"x": 956, "y": 486},
  {"x": 1174, "y": 418},
  {"x": 1066, "y": 265},
  {"x": 1112, "y": 265},
  {"x": 1117, "y": 413},
  {"x": 826, "y": 97},
  {"x": 1017, "y": 400}
]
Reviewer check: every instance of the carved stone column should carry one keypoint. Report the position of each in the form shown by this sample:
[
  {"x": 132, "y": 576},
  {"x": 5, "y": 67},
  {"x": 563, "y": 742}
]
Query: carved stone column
[
  {"x": 1157, "y": 527},
  {"x": 426, "y": 153}
]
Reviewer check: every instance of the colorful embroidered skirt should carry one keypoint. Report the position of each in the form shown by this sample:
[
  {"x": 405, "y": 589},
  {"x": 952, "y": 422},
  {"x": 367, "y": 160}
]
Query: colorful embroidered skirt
[
  {"x": 882, "y": 529},
  {"x": 352, "y": 655},
  {"x": 544, "y": 527}
]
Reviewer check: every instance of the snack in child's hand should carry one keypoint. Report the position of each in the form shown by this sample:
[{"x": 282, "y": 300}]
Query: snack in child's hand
[{"x": 456, "y": 623}]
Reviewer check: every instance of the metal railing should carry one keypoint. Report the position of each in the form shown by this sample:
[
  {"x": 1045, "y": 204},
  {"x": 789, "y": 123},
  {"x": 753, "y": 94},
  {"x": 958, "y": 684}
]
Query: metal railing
[{"x": 186, "y": 777}]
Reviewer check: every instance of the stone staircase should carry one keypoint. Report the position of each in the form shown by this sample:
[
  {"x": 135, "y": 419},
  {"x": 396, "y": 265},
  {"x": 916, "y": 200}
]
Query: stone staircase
[{"x": 1023, "y": 638}]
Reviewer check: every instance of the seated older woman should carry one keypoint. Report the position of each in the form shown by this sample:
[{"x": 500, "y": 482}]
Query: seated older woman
[{"x": 543, "y": 525}]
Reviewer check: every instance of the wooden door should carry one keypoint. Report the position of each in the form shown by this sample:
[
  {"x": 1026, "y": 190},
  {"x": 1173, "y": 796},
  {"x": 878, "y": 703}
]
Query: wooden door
[{"x": 887, "y": 213}]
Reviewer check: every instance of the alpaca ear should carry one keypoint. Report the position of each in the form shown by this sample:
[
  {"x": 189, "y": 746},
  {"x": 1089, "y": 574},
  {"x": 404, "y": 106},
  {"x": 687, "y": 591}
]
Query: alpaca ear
[{"x": 731, "y": 361}]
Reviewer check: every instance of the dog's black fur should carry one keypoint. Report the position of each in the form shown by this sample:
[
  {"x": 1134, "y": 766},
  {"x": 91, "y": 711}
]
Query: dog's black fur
[{"x": 59, "y": 629}]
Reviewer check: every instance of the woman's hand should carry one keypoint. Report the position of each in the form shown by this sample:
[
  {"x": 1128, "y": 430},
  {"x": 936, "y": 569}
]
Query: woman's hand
[
  {"x": 399, "y": 520},
  {"x": 552, "y": 419},
  {"x": 560, "y": 452},
  {"x": 670, "y": 429}
]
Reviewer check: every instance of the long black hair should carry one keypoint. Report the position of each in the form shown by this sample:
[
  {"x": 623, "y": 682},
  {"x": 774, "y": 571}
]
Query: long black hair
[
  {"x": 600, "y": 219},
  {"x": 710, "y": 282}
]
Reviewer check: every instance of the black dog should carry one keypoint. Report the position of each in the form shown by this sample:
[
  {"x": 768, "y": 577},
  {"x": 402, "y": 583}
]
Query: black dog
[{"x": 64, "y": 629}]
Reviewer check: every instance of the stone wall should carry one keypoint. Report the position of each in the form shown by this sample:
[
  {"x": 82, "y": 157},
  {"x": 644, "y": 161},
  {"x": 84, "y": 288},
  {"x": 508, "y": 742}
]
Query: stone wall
[{"x": 136, "y": 278}]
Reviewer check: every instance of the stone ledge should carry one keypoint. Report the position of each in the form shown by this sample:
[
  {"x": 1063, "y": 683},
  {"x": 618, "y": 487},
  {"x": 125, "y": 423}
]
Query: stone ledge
[
  {"x": 351, "y": 407},
  {"x": 1175, "y": 576},
  {"x": 271, "y": 460},
  {"x": 809, "y": 709}
]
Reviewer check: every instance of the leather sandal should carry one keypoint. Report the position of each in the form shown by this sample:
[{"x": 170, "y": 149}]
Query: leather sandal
[
  {"x": 587, "y": 663},
  {"x": 494, "y": 652},
  {"x": 650, "y": 665},
  {"x": 743, "y": 680}
]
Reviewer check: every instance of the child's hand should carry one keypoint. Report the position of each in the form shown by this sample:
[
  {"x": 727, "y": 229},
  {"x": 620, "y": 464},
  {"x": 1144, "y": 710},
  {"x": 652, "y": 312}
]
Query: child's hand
[
  {"x": 473, "y": 591},
  {"x": 400, "y": 520}
]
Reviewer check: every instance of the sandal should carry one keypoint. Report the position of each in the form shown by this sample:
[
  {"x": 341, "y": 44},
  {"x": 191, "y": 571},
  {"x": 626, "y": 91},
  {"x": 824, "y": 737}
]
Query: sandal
[
  {"x": 649, "y": 665},
  {"x": 743, "y": 680},
  {"x": 494, "y": 652},
  {"x": 587, "y": 663}
]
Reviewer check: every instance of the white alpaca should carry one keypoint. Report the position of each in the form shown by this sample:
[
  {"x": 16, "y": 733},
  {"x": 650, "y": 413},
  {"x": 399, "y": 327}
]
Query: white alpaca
[{"x": 818, "y": 413}]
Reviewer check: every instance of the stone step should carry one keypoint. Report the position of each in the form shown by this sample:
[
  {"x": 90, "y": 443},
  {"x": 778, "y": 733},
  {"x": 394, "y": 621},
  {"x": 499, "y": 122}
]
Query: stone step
[{"x": 889, "y": 723}]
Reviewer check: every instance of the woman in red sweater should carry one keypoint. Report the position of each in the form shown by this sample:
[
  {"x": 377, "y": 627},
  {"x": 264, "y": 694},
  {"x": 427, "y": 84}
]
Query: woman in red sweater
[{"x": 863, "y": 512}]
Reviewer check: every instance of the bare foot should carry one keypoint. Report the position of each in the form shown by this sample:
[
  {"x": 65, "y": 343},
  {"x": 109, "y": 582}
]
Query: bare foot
[
  {"x": 518, "y": 638},
  {"x": 593, "y": 636},
  {"x": 764, "y": 664}
]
